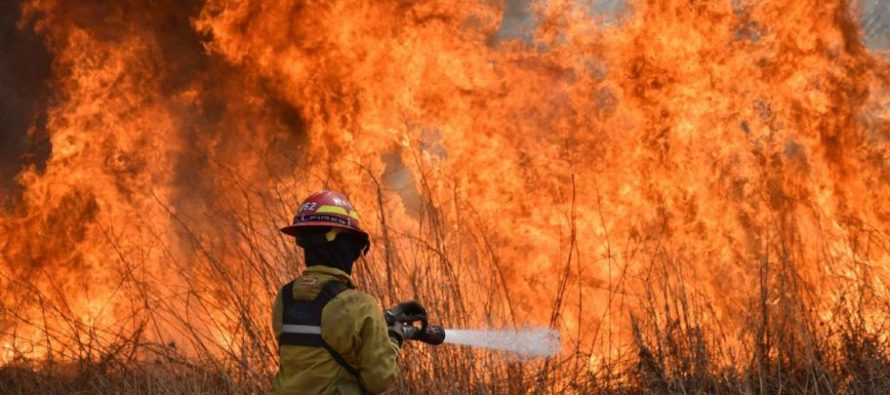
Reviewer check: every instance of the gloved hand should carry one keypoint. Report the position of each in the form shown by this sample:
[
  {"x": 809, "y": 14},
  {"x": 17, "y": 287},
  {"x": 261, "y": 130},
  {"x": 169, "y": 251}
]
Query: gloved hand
[
  {"x": 406, "y": 312},
  {"x": 396, "y": 331},
  {"x": 400, "y": 317}
]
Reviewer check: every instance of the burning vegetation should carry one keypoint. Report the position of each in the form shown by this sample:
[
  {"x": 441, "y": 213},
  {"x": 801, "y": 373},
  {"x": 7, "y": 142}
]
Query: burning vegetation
[{"x": 696, "y": 194}]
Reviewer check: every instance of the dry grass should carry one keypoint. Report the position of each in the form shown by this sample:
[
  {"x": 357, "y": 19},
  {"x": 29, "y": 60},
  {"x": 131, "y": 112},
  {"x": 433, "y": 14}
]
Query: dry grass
[{"x": 165, "y": 337}]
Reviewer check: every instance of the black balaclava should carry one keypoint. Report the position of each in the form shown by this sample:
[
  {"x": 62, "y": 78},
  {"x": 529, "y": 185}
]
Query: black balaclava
[{"x": 341, "y": 253}]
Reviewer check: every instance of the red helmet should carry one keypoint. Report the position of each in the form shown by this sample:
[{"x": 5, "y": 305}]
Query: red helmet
[{"x": 325, "y": 208}]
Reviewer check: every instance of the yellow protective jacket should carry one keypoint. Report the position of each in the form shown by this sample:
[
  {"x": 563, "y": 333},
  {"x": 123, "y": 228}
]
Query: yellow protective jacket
[{"x": 353, "y": 325}]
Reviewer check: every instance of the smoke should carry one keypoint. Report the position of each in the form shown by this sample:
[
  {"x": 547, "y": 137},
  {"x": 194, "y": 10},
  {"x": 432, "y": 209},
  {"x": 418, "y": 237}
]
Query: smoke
[
  {"x": 24, "y": 83},
  {"x": 875, "y": 24}
]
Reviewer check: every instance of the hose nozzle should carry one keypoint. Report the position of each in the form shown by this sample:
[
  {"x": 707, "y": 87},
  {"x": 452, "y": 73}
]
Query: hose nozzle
[
  {"x": 432, "y": 334},
  {"x": 407, "y": 315}
]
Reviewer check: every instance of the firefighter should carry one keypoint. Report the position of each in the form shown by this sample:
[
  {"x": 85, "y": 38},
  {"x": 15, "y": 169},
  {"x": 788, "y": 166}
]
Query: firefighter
[{"x": 332, "y": 338}]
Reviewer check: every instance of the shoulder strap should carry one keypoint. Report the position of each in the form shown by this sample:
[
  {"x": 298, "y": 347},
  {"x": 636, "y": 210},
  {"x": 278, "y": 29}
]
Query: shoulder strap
[
  {"x": 287, "y": 293},
  {"x": 330, "y": 290}
]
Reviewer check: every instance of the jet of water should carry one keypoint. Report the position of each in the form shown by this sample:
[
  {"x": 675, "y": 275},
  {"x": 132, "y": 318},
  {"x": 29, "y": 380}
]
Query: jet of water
[{"x": 532, "y": 342}]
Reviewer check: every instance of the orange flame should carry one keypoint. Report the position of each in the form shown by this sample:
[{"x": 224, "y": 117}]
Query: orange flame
[{"x": 711, "y": 153}]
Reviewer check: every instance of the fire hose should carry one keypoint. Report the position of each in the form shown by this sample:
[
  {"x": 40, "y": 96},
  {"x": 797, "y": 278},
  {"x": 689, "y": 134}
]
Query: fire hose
[{"x": 411, "y": 319}]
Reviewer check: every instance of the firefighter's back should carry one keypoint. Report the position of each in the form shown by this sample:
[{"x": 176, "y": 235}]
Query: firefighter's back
[{"x": 352, "y": 326}]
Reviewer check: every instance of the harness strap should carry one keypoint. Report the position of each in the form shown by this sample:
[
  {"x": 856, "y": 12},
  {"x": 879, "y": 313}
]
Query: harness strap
[{"x": 339, "y": 358}]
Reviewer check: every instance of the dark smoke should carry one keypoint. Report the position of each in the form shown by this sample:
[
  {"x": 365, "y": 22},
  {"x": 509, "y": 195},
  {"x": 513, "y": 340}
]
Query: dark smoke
[{"x": 24, "y": 92}]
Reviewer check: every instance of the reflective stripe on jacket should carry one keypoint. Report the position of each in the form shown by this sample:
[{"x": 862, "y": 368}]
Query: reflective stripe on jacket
[{"x": 353, "y": 325}]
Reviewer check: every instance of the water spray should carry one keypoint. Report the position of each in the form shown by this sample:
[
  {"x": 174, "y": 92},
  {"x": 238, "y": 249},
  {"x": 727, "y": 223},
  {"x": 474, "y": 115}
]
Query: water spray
[{"x": 529, "y": 342}]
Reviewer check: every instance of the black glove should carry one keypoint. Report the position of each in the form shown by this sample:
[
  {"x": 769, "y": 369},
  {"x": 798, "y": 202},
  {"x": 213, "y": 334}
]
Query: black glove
[
  {"x": 396, "y": 331},
  {"x": 401, "y": 318},
  {"x": 407, "y": 313}
]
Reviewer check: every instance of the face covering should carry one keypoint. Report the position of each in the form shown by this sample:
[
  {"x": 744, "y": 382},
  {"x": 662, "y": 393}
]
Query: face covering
[{"x": 340, "y": 253}]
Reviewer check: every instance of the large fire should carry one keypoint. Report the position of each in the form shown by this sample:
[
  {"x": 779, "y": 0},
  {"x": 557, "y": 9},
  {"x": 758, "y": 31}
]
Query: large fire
[{"x": 717, "y": 167}]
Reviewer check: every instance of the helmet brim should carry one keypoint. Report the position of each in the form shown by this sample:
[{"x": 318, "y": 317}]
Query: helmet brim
[{"x": 294, "y": 229}]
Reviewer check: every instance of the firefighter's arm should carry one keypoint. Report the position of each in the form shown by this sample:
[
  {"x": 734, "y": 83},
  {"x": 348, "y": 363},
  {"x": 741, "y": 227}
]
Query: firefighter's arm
[{"x": 378, "y": 354}]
